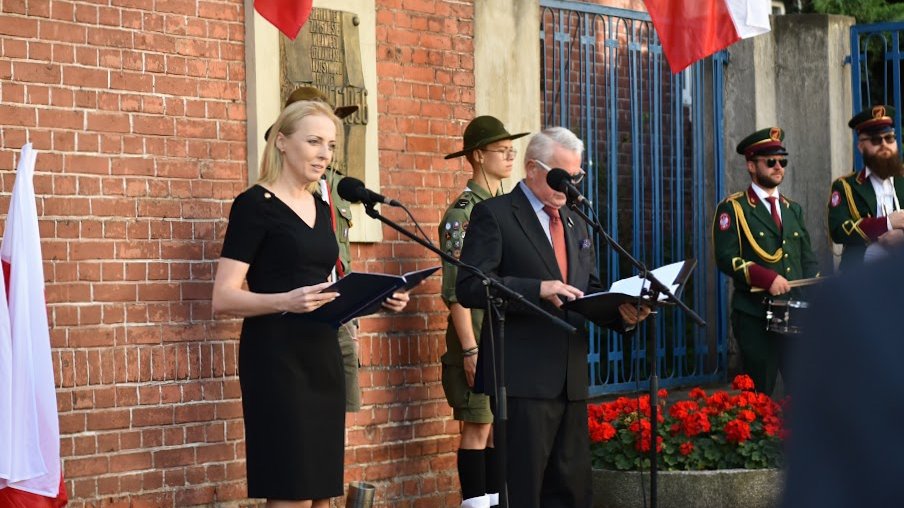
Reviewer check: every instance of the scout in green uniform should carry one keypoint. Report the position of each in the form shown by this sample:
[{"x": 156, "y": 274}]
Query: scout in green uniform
[
  {"x": 760, "y": 241},
  {"x": 864, "y": 207},
  {"x": 488, "y": 148},
  {"x": 348, "y": 333},
  {"x": 342, "y": 221}
]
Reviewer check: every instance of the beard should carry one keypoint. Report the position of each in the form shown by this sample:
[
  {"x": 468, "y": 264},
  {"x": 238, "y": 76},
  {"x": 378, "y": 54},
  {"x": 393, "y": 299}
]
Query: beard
[
  {"x": 767, "y": 181},
  {"x": 883, "y": 166}
]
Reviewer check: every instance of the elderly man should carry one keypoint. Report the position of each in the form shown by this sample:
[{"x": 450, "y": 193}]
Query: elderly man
[
  {"x": 865, "y": 206},
  {"x": 543, "y": 251}
]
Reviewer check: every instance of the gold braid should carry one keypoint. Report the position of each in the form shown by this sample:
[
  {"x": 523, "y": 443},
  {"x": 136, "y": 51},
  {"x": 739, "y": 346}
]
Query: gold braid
[
  {"x": 851, "y": 226},
  {"x": 742, "y": 221}
]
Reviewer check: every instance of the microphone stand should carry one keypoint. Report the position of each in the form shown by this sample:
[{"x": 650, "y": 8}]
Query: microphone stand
[
  {"x": 496, "y": 305},
  {"x": 652, "y": 293}
]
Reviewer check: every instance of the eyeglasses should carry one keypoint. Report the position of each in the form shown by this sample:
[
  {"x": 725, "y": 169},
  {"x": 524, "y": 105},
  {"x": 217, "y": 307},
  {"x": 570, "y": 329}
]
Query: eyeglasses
[
  {"x": 877, "y": 140},
  {"x": 575, "y": 179},
  {"x": 771, "y": 162},
  {"x": 507, "y": 153}
]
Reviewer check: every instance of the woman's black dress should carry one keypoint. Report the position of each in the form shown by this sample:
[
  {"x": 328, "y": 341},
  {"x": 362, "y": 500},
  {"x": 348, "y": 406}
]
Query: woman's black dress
[{"x": 290, "y": 367}]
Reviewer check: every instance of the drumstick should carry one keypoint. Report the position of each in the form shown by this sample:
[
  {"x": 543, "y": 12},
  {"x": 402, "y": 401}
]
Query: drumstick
[{"x": 794, "y": 283}]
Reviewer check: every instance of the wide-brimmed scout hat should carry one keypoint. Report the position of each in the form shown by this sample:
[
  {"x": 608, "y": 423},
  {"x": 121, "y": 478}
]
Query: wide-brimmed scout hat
[
  {"x": 766, "y": 141},
  {"x": 482, "y": 131},
  {"x": 309, "y": 93},
  {"x": 874, "y": 120}
]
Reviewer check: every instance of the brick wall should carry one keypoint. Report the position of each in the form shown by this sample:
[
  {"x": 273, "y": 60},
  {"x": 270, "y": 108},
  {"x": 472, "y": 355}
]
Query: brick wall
[
  {"x": 138, "y": 116},
  {"x": 137, "y": 110},
  {"x": 405, "y": 440}
]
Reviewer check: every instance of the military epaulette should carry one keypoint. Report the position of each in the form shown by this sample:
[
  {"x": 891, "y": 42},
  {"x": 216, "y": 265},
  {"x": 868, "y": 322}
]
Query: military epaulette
[
  {"x": 733, "y": 197},
  {"x": 462, "y": 203},
  {"x": 846, "y": 177}
]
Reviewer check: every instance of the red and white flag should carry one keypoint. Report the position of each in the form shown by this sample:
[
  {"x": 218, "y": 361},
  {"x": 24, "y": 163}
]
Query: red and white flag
[
  {"x": 694, "y": 29},
  {"x": 30, "y": 472},
  {"x": 286, "y": 15}
]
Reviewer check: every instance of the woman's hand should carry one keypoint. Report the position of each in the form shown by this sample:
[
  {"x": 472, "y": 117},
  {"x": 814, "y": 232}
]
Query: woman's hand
[
  {"x": 307, "y": 298},
  {"x": 396, "y": 302}
]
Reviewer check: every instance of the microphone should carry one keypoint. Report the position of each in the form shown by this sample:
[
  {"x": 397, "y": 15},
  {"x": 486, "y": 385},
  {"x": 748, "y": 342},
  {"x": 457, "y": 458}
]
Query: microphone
[
  {"x": 353, "y": 190},
  {"x": 559, "y": 179}
]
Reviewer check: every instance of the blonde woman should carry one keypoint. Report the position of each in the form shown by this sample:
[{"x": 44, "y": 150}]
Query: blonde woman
[{"x": 281, "y": 242}]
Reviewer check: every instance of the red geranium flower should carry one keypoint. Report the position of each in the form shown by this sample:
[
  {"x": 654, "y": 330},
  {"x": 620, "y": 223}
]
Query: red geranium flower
[
  {"x": 686, "y": 448},
  {"x": 737, "y": 431},
  {"x": 742, "y": 382},
  {"x": 600, "y": 431},
  {"x": 695, "y": 424},
  {"x": 697, "y": 393},
  {"x": 723, "y": 429}
]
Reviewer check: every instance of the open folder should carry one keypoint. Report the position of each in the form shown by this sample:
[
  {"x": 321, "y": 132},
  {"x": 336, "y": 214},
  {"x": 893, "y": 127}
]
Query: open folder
[
  {"x": 602, "y": 308},
  {"x": 362, "y": 293}
]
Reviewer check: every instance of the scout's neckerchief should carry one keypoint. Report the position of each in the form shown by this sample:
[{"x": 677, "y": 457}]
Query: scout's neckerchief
[{"x": 327, "y": 195}]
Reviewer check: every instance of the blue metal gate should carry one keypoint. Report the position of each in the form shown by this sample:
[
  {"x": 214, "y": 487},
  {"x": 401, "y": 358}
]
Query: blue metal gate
[
  {"x": 876, "y": 58},
  {"x": 654, "y": 158}
]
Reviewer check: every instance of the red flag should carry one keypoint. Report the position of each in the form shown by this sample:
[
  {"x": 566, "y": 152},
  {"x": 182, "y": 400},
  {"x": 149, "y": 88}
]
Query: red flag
[
  {"x": 30, "y": 472},
  {"x": 286, "y": 15},
  {"x": 694, "y": 29},
  {"x": 15, "y": 498}
]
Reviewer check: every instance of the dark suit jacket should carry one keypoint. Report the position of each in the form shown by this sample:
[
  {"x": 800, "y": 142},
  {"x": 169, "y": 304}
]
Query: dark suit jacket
[{"x": 506, "y": 241}]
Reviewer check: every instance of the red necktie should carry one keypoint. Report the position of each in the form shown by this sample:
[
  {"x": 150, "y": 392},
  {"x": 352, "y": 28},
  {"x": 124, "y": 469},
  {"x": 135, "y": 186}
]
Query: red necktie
[
  {"x": 557, "y": 234},
  {"x": 775, "y": 216}
]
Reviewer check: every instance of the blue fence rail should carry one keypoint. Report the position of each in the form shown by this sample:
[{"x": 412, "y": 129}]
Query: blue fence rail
[
  {"x": 876, "y": 59},
  {"x": 654, "y": 159}
]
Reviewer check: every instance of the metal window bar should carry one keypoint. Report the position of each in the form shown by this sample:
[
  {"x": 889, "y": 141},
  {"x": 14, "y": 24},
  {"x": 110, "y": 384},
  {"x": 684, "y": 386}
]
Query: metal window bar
[
  {"x": 876, "y": 47},
  {"x": 655, "y": 160}
]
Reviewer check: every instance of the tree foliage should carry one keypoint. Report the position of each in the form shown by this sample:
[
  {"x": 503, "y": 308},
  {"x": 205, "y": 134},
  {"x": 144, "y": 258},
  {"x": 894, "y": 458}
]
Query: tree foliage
[{"x": 864, "y": 11}]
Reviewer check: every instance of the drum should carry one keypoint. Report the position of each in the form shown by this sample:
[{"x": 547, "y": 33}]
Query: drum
[{"x": 785, "y": 316}]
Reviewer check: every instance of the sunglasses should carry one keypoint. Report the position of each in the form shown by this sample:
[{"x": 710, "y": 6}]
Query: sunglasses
[
  {"x": 877, "y": 140},
  {"x": 771, "y": 162}
]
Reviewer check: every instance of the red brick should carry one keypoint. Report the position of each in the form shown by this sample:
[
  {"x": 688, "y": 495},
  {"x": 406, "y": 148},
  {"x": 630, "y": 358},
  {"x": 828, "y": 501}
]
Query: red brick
[
  {"x": 108, "y": 122},
  {"x": 80, "y": 467},
  {"x": 130, "y": 461},
  {"x": 108, "y": 419},
  {"x": 19, "y": 27},
  {"x": 174, "y": 457},
  {"x": 63, "y": 32},
  {"x": 14, "y": 115}
]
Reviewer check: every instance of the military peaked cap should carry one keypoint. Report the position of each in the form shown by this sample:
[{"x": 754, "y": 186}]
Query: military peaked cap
[{"x": 763, "y": 142}]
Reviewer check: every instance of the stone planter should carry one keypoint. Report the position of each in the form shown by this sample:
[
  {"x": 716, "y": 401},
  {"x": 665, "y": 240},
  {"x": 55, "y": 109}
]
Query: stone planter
[{"x": 737, "y": 488}]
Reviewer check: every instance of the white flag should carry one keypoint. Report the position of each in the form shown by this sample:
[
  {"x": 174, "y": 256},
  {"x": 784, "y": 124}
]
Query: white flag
[{"x": 29, "y": 423}]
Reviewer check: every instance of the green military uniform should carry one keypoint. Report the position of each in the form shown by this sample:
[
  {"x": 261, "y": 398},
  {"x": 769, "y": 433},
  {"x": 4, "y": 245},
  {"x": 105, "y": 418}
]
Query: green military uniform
[
  {"x": 466, "y": 405},
  {"x": 854, "y": 221},
  {"x": 852, "y": 216},
  {"x": 752, "y": 249},
  {"x": 347, "y": 332}
]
